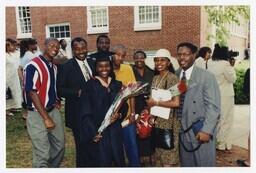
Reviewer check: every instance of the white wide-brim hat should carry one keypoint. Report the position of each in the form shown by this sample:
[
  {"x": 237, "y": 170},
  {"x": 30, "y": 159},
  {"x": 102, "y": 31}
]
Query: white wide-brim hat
[{"x": 149, "y": 61}]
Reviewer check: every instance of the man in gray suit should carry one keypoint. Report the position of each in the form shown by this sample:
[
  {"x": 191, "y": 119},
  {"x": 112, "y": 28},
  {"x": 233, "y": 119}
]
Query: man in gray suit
[{"x": 199, "y": 111}]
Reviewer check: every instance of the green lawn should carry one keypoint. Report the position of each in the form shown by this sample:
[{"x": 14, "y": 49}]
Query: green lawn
[{"x": 18, "y": 144}]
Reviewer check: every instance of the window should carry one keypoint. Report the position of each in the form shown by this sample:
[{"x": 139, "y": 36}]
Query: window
[
  {"x": 23, "y": 20},
  {"x": 58, "y": 30},
  {"x": 147, "y": 18},
  {"x": 97, "y": 20}
]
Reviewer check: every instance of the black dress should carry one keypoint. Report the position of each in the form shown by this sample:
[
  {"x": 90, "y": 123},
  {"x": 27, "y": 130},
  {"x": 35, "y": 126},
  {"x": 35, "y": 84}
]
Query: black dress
[
  {"x": 145, "y": 145},
  {"x": 109, "y": 150}
]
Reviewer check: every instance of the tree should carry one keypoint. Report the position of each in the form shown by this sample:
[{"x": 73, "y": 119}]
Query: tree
[{"x": 220, "y": 16}]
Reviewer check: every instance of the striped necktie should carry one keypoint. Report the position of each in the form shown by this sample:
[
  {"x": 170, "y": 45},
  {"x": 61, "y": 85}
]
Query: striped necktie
[
  {"x": 182, "y": 96},
  {"x": 87, "y": 72}
]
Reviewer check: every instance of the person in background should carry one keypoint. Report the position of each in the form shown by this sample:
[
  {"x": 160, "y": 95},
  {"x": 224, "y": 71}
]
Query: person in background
[
  {"x": 44, "y": 123},
  {"x": 198, "y": 112},
  {"x": 12, "y": 79},
  {"x": 62, "y": 56},
  {"x": 143, "y": 74},
  {"x": 103, "y": 45},
  {"x": 204, "y": 54},
  {"x": 164, "y": 80},
  {"x": 71, "y": 81},
  {"x": 105, "y": 149},
  {"x": 124, "y": 73},
  {"x": 225, "y": 74}
]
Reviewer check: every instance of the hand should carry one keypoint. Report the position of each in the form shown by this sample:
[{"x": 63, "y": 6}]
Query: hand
[
  {"x": 97, "y": 138},
  {"x": 132, "y": 118},
  {"x": 49, "y": 124},
  {"x": 58, "y": 105},
  {"x": 152, "y": 120},
  {"x": 151, "y": 102},
  {"x": 232, "y": 61},
  {"x": 203, "y": 137},
  {"x": 114, "y": 117}
]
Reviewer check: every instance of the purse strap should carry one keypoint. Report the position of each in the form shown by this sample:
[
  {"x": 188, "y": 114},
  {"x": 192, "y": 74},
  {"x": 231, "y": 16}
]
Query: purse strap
[{"x": 183, "y": 145}]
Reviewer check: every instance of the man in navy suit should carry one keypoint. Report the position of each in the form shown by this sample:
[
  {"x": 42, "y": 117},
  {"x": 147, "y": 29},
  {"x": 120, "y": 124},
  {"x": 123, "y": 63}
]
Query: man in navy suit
[{"x": 71, "y": 80}]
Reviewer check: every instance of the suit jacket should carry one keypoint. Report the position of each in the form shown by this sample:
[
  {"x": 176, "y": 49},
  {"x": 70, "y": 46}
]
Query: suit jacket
[
  {"x": 202, "y": 100},
  {"x": 225, "y": 75},
  {"x": 69, "y": 80}
]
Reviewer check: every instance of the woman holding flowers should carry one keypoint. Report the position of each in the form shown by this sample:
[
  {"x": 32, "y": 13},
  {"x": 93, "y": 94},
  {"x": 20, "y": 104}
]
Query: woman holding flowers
[
  {"x": 105, "y": 149},
  {"x": 164, "y": 80}
]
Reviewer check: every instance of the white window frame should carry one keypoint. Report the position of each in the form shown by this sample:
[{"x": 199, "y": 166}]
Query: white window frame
[
  {"x": 97, "y": 30},
  {"x": 147, "y": 26},
  {"x": 21, "y": 35}
]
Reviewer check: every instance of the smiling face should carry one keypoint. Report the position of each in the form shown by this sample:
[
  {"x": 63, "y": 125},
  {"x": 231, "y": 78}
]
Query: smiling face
[
  {"x": 161, "y": 64},
  {"x": 185, "y": 57},
  {"x": 51, "y": 49},
  {"x": 103, "y": 69},
  {"x": 139, "y": 60},
  {"x": 80, "y": 50}
]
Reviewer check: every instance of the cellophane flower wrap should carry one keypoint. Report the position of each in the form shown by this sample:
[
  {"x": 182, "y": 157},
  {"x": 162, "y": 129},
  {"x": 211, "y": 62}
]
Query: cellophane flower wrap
[{"x": 131, "y": 90}]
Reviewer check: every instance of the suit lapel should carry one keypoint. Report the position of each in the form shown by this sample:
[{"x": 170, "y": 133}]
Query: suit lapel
[{"x": 78, "y": 70}]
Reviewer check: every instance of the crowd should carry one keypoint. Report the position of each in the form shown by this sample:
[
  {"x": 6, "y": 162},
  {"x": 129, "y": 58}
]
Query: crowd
[{"x": 199, "y": 120}]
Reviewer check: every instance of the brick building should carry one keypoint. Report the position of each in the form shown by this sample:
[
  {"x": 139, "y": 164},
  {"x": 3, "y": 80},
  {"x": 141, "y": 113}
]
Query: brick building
[{"x": 142, "y": 27}]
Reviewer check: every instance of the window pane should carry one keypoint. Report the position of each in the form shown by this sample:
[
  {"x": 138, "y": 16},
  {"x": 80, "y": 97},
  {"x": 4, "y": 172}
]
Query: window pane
[
  {"x": 62, "y": 28},
  {"x": 67, "y": 34},
  {"x": 56, "y": 29},
  {"x": 51, "y": 29},
  {"x": 62, "y": 34},
  {"x": 67, "y": 28},
  {"x": 51, "y": 35},
  {"x": 57, "y": 35}
]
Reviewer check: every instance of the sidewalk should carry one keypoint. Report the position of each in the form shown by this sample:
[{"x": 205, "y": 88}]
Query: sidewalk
[{"x": 241, "y": 126}]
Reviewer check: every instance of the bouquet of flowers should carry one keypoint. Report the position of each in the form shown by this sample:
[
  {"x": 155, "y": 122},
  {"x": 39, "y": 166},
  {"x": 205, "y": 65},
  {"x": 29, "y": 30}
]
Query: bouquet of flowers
[
  {"x": 178, "y": 89},
  {"x": 131, "y": 90}
]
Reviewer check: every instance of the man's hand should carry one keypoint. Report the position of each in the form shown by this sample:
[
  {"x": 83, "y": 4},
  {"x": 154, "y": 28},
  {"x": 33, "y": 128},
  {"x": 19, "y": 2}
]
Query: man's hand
[
  {"x": 49, "y": 124},
  {"x": 203, "y": 137},
  {"x": 97, "y": 138}
]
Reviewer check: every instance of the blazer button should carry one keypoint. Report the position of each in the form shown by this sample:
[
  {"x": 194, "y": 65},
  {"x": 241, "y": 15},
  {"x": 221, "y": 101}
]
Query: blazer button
[
  {"x": 194, "y": 112},
  {"x": 194, "y": 101}
]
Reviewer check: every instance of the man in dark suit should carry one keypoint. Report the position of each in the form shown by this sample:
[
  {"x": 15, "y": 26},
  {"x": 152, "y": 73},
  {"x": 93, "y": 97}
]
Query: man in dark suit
[
  {"x": 103, "y": 45},
  {"x": 71, "y": 80}
]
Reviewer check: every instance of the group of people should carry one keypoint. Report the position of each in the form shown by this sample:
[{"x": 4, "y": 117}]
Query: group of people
[{"x": 88, "y": 85}]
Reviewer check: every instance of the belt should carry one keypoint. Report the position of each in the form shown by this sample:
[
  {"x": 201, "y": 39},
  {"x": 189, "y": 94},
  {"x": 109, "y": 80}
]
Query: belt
[{"x": 48, "y": 109}]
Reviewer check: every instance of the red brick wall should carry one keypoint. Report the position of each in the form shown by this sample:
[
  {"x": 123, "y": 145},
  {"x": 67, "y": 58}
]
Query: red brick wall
[
  {"x": 10, "y": 20},
  {"x": 179, "y": 23}
]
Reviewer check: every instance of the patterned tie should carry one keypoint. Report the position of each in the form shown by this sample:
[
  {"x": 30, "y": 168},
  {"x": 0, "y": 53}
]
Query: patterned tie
[
  {"x": 87, "y": 72},
  {"x": 182, "y": 96}
]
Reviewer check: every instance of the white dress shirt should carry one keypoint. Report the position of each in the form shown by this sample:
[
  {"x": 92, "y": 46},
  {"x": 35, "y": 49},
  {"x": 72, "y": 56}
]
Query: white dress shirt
[{"x": 81, "y": 65}]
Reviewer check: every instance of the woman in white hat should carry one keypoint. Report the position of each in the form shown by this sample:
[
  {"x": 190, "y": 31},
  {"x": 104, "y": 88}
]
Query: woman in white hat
[{"x": 164, "y": 80}]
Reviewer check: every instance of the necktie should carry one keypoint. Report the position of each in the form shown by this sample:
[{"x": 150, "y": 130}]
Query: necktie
[
  {"x": 182, "y": 96},
  {"x": 87, "y": 72}
]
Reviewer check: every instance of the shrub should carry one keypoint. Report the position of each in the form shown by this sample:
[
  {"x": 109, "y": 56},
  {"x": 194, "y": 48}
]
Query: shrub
[{"x": 240, "y": 98}]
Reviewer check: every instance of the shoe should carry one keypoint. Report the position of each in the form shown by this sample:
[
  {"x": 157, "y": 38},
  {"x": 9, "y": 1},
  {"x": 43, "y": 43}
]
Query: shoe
[{"x": 242, "y": 163}]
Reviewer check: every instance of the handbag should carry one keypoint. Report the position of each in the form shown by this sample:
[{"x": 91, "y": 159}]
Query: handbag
[
  {"x": 8, "y": 93},
  {"x": 163, "y": 138}
]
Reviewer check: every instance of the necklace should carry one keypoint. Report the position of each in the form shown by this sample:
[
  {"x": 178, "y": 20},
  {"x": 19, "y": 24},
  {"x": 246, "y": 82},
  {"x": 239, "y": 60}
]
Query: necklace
[{"x": 160, "y": 80}]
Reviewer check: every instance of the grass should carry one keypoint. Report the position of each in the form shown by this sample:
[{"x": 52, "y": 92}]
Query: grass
[{"x": 19, "y": 147}]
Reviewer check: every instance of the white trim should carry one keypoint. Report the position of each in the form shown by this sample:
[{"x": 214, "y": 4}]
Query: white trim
[
  {"x": 90, "y": 29},
  {"x": 146, "y": 26},
  {"x": 19, "y": 34}
]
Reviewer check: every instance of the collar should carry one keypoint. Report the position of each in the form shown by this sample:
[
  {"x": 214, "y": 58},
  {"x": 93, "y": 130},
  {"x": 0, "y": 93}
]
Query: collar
[
  {"x": 103, "y": 82},
  {"x": 45, "y": 60},
  {"x": 188, "y": 72}
]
